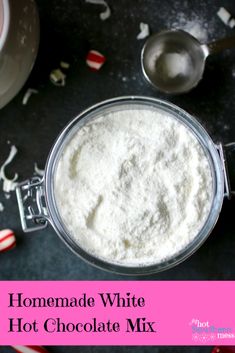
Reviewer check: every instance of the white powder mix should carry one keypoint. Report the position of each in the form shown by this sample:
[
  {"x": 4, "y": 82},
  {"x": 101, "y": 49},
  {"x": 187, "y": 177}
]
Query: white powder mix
[
  {"x": 175, "y": 64},
  {"x": 134, "y": 187}
]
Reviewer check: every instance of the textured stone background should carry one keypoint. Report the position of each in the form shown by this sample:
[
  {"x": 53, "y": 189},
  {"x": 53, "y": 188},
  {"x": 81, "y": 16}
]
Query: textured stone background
[{"x": 70, "y": 28}]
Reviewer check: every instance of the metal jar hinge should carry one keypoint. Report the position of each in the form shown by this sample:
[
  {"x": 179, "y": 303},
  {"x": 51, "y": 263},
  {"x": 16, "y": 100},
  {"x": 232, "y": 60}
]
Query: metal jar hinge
[
  {"x": 221, "y": 149},
  {"x": 31, "y": 201}
]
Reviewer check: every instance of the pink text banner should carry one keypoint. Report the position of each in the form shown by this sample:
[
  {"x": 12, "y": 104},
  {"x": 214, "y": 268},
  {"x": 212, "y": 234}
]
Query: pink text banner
[{"x": 117, "y": 313}]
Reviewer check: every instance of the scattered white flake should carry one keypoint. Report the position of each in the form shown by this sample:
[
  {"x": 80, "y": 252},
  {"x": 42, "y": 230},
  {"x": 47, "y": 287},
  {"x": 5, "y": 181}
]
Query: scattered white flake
[
  {"x": 232, "y": 23},
  {"x": 8, "y": 184},
  {"x": 28, "y": 94},
  {"x": 58, "y": 78},
  {"x": 124, "y": 79},
  {"x": 7, "y": 196},
  {"x": 38, "y": 171},
  {"x": 23, "y": 39},
  {"x": 64, "y": 65},
  {"x": 1, "y": 207},
  {"x": 105, "y": 14},
  {"x": 224, "y": 15},
  {"x": 144, "y": 31}
]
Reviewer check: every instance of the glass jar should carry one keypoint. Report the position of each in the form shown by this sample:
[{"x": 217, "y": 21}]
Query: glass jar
[
  {"x": 19, "y": 38},
  {"x": 36, "y": 215}
]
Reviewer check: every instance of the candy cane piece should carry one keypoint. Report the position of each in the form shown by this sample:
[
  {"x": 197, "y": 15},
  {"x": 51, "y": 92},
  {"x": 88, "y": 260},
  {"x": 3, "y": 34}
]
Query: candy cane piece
[
  {"x": 95, "y": 60},
  {"x": 7, "y": 240},
  {"x": 29, "y": 349}
]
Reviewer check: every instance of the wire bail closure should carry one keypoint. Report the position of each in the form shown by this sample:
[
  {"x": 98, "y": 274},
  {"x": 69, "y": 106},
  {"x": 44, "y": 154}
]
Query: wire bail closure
[{"x": 31, "y": 200}]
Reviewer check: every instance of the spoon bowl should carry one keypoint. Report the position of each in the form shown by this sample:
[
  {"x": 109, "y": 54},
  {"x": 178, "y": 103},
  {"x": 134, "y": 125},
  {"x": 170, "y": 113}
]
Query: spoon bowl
[{"x": 174, "y": 61}]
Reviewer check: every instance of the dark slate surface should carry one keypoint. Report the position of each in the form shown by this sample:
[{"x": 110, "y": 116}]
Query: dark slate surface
[{"x": 68, "y": 29}]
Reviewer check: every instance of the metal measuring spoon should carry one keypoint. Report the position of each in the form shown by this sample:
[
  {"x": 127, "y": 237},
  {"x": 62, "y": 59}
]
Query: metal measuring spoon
[{"x": 174, "y": 61}]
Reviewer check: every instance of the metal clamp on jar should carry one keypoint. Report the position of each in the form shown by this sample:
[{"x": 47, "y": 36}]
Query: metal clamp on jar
[{"x": 36, "y": 197}]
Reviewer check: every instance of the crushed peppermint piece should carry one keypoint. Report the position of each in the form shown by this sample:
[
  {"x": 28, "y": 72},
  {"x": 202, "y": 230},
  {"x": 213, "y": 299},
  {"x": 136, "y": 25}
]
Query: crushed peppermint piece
[
  {"x": 1, "y": 207},
  {"x": 29, "y": 349},
  {"x": 58, "y": 78},
  {"x": 144, "y": 31},
  {"x": 38, "y": 171},
  {"x": 95, "y": 60},
  {"x": 28, "y": 94},
  {"x": 105, "y": 14},
  {"x": 64, "y": 65},
  {"x": 9, "y": 184},
  {"x": 7, "y": 240}
]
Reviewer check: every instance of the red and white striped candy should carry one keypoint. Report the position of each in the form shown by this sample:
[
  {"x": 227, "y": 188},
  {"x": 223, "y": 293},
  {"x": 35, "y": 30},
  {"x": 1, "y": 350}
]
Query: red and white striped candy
[
  {"x": 95, "y": 60},
  {"x": 29, "y": 349},
  {"x": 7, "y": 240}
]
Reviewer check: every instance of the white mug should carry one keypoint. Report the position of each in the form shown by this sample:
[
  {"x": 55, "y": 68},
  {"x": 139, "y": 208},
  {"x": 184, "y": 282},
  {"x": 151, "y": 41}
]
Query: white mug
[{"x": 19, "y": 39}]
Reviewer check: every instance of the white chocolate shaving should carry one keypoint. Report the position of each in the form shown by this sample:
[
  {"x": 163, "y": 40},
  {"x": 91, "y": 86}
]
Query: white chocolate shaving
[
  {"x": 28, "y": 94},
  {"x": 232, "y": 23},
  {"x": 57, "y": 77},
  {"x": 9, "y": 184},
  {"x": 144, "y": 31},
  {"x": 226, "y": 17},
  {"x": 105, "y": 14},
  {"x": 38, "y": 171},
  {"x": 1, "y": 207},
  {"x": 64, "y": 65}
]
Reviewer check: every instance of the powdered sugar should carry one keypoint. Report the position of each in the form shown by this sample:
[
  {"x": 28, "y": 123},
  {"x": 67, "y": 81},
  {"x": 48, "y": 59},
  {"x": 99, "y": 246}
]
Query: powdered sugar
[
  {"x": 134, "y": 187},
  {"x": 194, "y": 25},
  {"x": 174, "y": 64}
]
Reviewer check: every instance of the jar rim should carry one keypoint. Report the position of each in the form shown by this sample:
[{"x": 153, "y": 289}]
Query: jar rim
[
  {"x": 203, "y": 138},
  {"x": 5, "y": 23}
]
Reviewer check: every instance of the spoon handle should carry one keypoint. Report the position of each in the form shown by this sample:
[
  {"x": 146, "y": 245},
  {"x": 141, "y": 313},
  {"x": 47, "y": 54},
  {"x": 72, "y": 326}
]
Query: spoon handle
[{"x": 219, "y": 45}]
